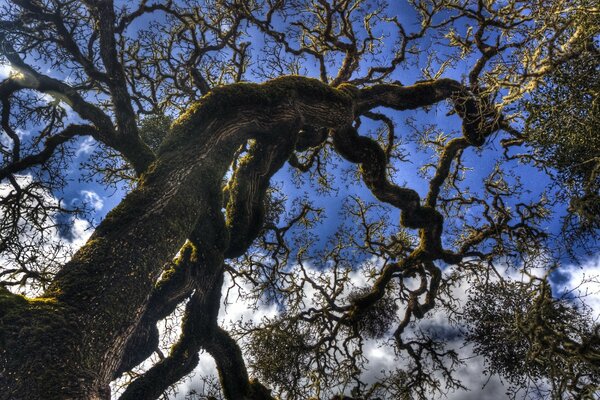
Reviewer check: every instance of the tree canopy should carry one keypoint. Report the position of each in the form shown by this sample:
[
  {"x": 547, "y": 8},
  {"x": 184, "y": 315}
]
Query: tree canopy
[{"x": 415, "y": 175}]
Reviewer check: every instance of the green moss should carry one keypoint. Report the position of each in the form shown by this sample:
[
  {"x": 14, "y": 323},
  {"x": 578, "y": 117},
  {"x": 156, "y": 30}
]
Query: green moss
[
  {"x": 176, "y": 272},
  {"x": 9, "y": 301},
  {"x": 349, "y": 89},
  {"x": 225, "y": 100},
  {"x": 37, "y": 333}
]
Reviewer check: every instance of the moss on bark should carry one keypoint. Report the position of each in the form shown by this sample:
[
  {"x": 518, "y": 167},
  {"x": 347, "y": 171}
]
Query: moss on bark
[{"x": 34, "y": 337}]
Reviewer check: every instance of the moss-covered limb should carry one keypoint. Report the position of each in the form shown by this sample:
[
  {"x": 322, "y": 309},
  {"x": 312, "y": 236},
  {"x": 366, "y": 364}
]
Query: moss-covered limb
[
  {"x": 176, "y": 284},
  {"x": 373, "y": 166},
  {"x": 197, "y": 328},
  {"x": 480, "y": 119},
  {"x": 315, "y": 102},
  {"x": 198, "y": 269},
  {"x": 373, "y": 163},
  {"x": 248, "y": 186},
  {"x": 230, "y": 365},
  {"x": 182, "y": 359},
  {"x": 232, "y": 369},
  {"x": 450, "y": 152},
  {"x": 108, "y": 282},
  {"x": 200, "y": 329},
  {"x": 400, "y": 97},
  {"x": 195, "y": 267}
]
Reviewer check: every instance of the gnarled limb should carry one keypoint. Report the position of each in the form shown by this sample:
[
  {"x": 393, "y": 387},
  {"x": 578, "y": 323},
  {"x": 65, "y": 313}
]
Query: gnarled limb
[{"x": 248, "y": 187}]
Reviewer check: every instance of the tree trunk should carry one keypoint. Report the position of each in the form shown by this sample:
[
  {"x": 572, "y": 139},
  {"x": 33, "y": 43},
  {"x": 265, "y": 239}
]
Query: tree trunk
[{"x": 69, "y": 343}]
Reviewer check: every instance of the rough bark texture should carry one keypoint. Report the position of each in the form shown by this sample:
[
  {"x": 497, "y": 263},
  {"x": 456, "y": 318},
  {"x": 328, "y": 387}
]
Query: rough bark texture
[{"x": 98, "y": 298}]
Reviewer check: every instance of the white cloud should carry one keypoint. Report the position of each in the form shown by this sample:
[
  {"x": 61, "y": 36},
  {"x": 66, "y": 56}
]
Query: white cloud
[
  {"x": 582, "y": 281},
  {"x": 479, "y": 386},
  {"x": 87, "y": 146},
  {"x": 22, "y": 134},
  {"x": 92, "y": 198},
  {"x": 242, "y": 310},
  {"x": 5, "y": 71},
  {"x": 80, "y": 233}
]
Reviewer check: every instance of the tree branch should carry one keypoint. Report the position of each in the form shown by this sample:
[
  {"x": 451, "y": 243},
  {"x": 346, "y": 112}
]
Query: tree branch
[{"x": 51, "y": 144}]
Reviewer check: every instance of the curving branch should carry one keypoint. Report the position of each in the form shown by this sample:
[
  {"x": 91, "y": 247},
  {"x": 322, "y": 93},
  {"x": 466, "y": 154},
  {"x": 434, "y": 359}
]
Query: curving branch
[
  {"x": 451, "y": 150},
  {"x": 248, "y": 187},
  {"x": 127, "y": 131},
  {"x": 51, "y": 144}
]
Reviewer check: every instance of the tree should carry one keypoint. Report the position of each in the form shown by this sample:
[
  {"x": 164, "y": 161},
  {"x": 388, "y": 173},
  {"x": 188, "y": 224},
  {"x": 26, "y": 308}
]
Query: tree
[
  {"x": 201, "y": 207},
  {"x": 570, "y": 152}
]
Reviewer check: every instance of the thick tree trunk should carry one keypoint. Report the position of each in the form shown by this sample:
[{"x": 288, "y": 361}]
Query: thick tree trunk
[
  {"x": 69, "y": 343},
  {"x": 102, "y": 292}
]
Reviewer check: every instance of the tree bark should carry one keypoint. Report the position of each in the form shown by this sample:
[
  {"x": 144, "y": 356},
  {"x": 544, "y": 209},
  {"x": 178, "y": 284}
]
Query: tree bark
[{"x": 69, "y": 343}]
